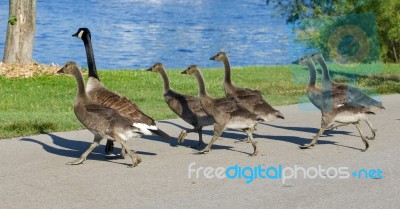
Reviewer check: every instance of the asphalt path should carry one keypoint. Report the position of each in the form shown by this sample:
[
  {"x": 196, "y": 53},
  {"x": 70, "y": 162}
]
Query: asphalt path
[{"x": 333, "y": 174}]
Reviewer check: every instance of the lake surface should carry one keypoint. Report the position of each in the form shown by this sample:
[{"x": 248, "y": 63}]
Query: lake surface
[{"x": 137, "y": 33}]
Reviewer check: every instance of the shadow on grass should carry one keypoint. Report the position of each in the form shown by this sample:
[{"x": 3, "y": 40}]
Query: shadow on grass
[{"x": 74, "y": 149}]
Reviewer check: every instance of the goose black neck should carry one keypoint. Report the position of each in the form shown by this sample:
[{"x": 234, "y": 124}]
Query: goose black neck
[
  {"x": 200, "y": 81},
  {"x": 313, "y": 74},
  {"x": 90, "y": 57},
  {"x": 165, "y": 79}
]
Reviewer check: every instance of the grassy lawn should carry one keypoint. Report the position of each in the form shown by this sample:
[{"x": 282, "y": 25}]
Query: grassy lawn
[{"x": 44, "y": 103}]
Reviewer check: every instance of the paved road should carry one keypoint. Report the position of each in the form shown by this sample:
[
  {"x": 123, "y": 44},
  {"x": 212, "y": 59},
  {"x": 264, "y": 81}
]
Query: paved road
[{"x": 34, "y": 175}]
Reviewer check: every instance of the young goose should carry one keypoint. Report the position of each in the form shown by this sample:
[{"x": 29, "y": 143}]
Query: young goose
[
  {"x": 334, "y": 114},
  {"x": 354, "y": 96},
  {"x": 250, "y": 99},
  {"x": 186, "y": 107},
  {"x": 314, "y": 93},
  {"x": 103, "y": 121},
  {"x": 227, "y": 113},
  {"x": 99, "y": 94}
]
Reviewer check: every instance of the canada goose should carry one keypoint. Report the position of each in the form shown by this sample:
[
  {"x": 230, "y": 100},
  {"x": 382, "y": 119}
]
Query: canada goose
[
  {"x": 227, "y": 113},
  {"x": 354, "y": 96},
  {"x": 186, "y": 107},
  {"x": 99, "y": 94},
  {"x": 250, "y": 99},
  {"x": 314, "y": 93},
  {"x": 103, "y": 121},
  {"x": 334, "y": 114}
]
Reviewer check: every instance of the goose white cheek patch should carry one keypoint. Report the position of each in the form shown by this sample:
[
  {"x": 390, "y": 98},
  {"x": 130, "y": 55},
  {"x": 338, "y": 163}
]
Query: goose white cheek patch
[{"x": 80, "y": 34}]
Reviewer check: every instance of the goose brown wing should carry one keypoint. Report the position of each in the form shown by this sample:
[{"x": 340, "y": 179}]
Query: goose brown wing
[
  {"x": 333, "y": 99},
  {"x": 194, "y": 103},
  {"x": 122, "y": 105},
  {"x": 104, "y": 119},
  {"x": 191, "y": 102},
  {"x": 101, "y": 110},
  {"x": 249, "y": 95},
  {"x": 227, "y": 105}
]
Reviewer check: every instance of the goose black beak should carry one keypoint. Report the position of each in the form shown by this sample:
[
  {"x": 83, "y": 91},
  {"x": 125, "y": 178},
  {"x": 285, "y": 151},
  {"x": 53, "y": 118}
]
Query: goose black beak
[
  {"x": 296, "y": 62},
  {"x": 149, "y": 69},
  {"x": 75, "y": 34},
  {"x": 60, "y": 71},
  {"x": 213, "y": 57},
  {"x": 184, "y": 72}
]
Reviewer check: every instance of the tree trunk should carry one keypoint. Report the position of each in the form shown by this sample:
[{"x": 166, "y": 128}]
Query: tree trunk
[
  {"x": 396, "y": 58},
  {"x": 20, "y": 32}
]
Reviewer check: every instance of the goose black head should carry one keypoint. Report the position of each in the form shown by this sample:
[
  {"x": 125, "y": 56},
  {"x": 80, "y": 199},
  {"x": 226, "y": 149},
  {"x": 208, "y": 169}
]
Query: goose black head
[
  {"x": 81, "y": 32},
  {"x": 220, "y": 56},
  {"x": 156, "y": 67},
  {"x": 191, "y": 70}
]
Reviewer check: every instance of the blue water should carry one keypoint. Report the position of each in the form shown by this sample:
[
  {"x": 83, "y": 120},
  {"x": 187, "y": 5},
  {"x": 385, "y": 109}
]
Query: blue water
[{"x": 137, "y": 33}]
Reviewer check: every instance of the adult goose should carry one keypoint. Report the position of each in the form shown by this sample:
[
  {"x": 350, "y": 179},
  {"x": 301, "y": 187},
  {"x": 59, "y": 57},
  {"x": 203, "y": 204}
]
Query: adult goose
[
  {"x": 227, "y": 113},
  {"x": 103, "y": 121},
  {"x": 98, "y": 93},
  {"x": 354, "y": 96},
  {"x": 334, "y": 113},
  {"x": 186, "y": 107},
  {"x": 250, "y": 99}
]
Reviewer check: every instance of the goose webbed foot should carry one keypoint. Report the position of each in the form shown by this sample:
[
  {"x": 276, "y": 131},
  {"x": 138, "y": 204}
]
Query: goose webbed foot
[
  {"x": 365, "y": 149},
  {"x": 373, "y": 134},
  {"x": 255, "y": 152},
  {"x": 204, "y": 151},
  {"x": 77, "y": 161},
  {"x": 135, "y": 160},
  {"x": 314, "y": 140},
  {"x": 80, "y": 160},
  {"x": 181, "y": 137},
  {"x": 363, "y": 138},
  {"x": 307, "y": 146},
  {"x": 366, "y": 145}
]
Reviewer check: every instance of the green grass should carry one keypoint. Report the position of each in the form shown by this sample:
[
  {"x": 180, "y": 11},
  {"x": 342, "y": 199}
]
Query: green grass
[{"x": 43, "y": 104}]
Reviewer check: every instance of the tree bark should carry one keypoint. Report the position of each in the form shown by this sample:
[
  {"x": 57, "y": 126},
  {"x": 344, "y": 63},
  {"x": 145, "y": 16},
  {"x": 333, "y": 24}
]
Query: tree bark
[{"x": 20, "y": 32}]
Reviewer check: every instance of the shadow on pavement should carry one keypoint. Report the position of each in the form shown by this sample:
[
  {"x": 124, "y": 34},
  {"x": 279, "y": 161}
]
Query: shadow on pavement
[
  {"x": 308, "y": 130},
  {"x": 72, "y": 148},
  {"x": 238, "y": 134}
]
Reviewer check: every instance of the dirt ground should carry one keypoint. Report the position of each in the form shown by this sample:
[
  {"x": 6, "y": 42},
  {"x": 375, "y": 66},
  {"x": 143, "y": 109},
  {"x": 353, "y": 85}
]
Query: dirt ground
[{"x": 29, "y": 70}]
